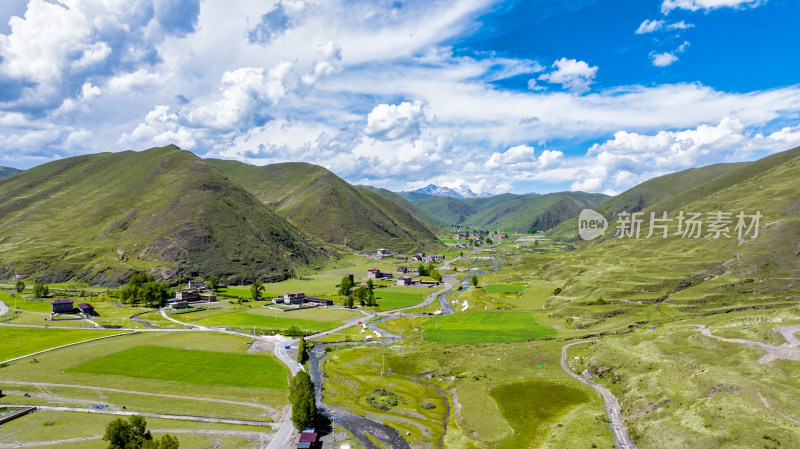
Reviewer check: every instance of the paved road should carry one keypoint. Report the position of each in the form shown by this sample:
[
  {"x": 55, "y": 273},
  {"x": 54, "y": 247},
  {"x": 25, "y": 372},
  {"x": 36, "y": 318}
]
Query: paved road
[
  {"x": 243, "y": 422},
  {"x": 621, "y": 438}
]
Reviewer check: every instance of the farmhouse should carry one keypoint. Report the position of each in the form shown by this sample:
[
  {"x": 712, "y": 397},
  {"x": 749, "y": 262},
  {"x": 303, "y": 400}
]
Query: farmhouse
[
  {"x": 86, "y": 309},
  {"x": 64, "y": 306},
  {"x": 375, "y": 273},
  {"x": 419, "y": 257},
  {"x": 207, "y": 297},
  {"x": 308, "y": 440},
  {"x": 175, "y": 304},
  {"x": 197, "y": 285},
  {"x": 382, "y": 252},
  {"x": 187, "y": 295},
  {"x": 300, "y": 298},
  {"x": 422, "y": 283},
  {"x": 404, "y": 281},
  {"x": 406, "y": 270}
]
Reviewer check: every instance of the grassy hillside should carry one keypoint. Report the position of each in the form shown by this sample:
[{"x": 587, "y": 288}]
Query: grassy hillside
[
  {"x": 693, "y": 276},
  {"x": 447, "y": 210},
  {"x": 652, "y": 191},
  {"x": 420, "y": 214},
  {"x": 100, "y": 217},
  {"x": 5, "y": 172},
  {"x": 324, "y": 206}
]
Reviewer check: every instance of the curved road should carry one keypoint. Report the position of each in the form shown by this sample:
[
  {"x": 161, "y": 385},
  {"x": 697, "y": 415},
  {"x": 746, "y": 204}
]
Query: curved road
[{"x": 621, "y": 437}]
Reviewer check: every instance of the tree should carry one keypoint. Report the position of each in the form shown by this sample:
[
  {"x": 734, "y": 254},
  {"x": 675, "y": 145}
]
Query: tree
[
  {"x": 133, "y": 434},
  {"x": 153, "y": 294},
  {"x": 370, "y": 284},
  {"x": 256, "y": 289},
  {"x": 346, "y": 286},
  {"x": 474, "y": 281},
  {"x": 371, "y": 299},
  {"x": 213, "y": 282},
  {"x": 40, "y": 290},
  {"x": 20, "y": 286},
  {"x": 361, "y": 294},
  {"x": 302, "y": 350},
  {"x": 461, "y": 254},
  {"x": 557, "y": 291},
  {"x": 301, "y": 396},
  {"x": 489, "y": 241},
  {"x": 348, "y": 301},
  {"x": 435, "y": 275}
]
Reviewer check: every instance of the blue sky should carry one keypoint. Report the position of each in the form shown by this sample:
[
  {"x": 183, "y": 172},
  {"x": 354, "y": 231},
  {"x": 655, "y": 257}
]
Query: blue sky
[{"x": 495, "y": 96}]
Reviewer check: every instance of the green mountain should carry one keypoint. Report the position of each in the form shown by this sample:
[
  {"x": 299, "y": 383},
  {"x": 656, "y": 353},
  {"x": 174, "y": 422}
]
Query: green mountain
[
  {"x": 420, "y": 214},
  {"x": 507, "y": 212},
  {"x": 446, "y": 209},
  {"x": 101, "y": 217},
  {"x": 326, "y": 207},
  {"x": 651, "y": 192},
  {"x": 5, "y": 172},
  {"x": 694, "y": 276}
]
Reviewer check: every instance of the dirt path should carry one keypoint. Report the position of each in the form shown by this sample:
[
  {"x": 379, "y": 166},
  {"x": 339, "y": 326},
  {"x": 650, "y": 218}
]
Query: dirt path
[
  {"x": 621, "y": 437},
  {"x": 258, "y": 436},
  {"x": 787, "y": 351}
]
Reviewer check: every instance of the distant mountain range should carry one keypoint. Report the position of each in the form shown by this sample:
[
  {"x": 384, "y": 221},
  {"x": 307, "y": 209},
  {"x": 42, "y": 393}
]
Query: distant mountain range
[
  {"x": 7, "y": 171},
  {"x": 508, "y": 212},
  {"x": 434, "y": 190}
]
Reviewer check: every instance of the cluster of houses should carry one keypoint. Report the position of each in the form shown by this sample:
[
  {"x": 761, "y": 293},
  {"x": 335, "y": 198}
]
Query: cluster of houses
[
  {"x": 67, "y": 307},
  {"x": 380, "y": 253},
  {"x": 195, "y": 291},
  {"x": 422, "y": 257},
  {"x": 377, "y": 274},
  {"x": 299, "y": 299}
]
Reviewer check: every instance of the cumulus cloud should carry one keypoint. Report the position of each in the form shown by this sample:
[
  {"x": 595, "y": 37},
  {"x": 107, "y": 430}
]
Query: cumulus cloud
[
  {"x": 572, "y": 74},
  {"x": 160, "y": 128},
  {"x": 330, "y": 54},
  {"x": 390, "y": 122},
  {"x": 246, "y": 93},
  {"x": 707, "y": 5},
  {"x": 668, "y": 58},
  {"x": 630, "y": 158}
]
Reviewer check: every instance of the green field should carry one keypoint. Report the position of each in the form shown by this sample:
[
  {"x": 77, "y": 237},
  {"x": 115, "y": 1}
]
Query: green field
[
  {"x": 16, "y": 342},
  {"x": 400, "y": 297},
  {"x": 190, "y": 366},
  {"x": 313, "y": 320},
  {"x": 500, "y": 288},
  {"x": 485, "y": 327},
  {"x": 544, "y": 401}
]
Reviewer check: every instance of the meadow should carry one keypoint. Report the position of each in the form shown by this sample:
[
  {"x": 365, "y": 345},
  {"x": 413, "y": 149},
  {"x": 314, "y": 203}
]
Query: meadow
[
  {"x": 312, "y": 320},
  {"x": 400, "y": 297},
  {"x": 504, "y": 288},
  {"x": 190, "y": 366},
  {"x": 19, "y": 341},
  {"x": 485, "y": 327}
]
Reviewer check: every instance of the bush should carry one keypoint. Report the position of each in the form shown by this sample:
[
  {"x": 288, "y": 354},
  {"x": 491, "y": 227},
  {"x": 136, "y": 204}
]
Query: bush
[{"x": 428, "y": 405}]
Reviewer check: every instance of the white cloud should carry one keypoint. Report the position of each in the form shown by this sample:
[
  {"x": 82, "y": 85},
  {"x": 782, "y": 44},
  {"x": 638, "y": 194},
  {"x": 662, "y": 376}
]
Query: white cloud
[
  {"x": 245, "y": 91},
  {"x": 390, "y": 122},
  {"x": 707, "y": 5},
  {"x": 572, "y": 74},
  {"x": 668, "y": 58},
  {"x": 630, "y": 158},
  {"x": 132, "y": 80},
  {"x": 160, "y": 128},
  {"x": 649, "y": 26},
  {"x": 330, "y": 54}
]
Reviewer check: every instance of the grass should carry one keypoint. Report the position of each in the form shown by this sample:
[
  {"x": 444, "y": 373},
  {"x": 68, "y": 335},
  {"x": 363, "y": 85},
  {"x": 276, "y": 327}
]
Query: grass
[
  {"x": 17, "y": 341},
  {"x": 314, "y": 320},
  {"x": 190, "y": 366},
  {"x": 485, "y": 327},
  {"x": 47, "y": 426},
  {"x": 501, "y": 288},
  {"x": 546, "y": 402},
  {"x": 399, "y": 297}
]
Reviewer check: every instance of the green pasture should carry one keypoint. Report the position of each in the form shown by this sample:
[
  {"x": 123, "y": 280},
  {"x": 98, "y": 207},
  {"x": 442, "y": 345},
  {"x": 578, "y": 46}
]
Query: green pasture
[
  {"x": 190, "y": 366},
  {"x": 485, "y": 327},
  {"x": 18, "y": 341},
  {"x": 504, "y": 288}
]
